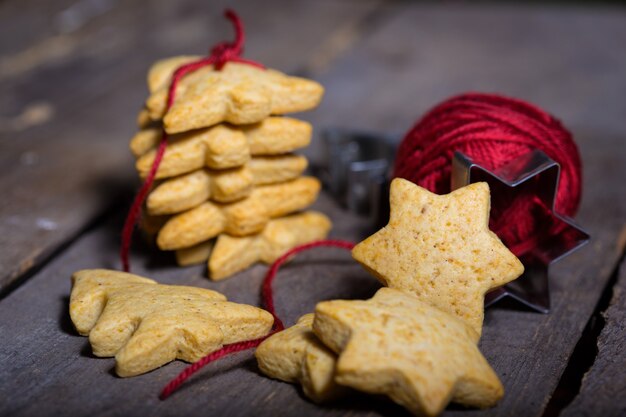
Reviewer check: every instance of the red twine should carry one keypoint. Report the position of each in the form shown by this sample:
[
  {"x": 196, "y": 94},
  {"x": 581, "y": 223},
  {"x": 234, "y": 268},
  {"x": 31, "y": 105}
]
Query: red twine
[
  {"x": 268, "y": 302},
  {"x": 494, "y": 130},
  {"x": 221, "y": 53}
]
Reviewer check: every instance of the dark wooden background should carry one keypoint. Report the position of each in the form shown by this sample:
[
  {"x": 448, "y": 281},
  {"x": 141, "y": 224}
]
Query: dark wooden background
[{"x": 72, "y": 79}]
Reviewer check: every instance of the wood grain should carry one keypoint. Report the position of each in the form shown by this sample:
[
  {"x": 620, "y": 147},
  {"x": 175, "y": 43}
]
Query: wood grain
[
  {"x": 560, "y": 58},
  {"x": 59, "y": 174},
  {"x": 604, "y": 385}
]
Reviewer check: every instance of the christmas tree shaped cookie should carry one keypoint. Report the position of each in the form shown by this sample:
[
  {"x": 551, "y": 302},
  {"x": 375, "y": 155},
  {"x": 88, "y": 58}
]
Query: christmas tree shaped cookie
[
  {"x": 238, "y": 94},
  {"x": 242, "y": 218},
  {"x": 232, "y": 254},
  {"x": 187, "y": 191},
  {"x": 219, "y": 147},
  {"x": 146, "y": 325}
]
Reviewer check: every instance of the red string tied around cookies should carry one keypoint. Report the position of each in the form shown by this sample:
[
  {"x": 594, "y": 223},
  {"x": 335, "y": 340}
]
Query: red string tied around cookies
[
  {"x": 268, "y": 303},
  {"x": 221, "y": 53}
]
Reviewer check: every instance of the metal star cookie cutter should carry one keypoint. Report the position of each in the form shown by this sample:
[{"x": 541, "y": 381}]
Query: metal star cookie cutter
[{"x": 534, "y": 168}]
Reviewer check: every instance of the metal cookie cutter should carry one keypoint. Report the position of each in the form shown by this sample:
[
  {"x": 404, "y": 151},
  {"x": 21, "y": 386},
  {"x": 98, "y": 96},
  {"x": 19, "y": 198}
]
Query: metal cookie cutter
[
  {"x": 357, "y": 173},
  {"x": 357, "y": 170},
  {"x": 534, "y": 169}
]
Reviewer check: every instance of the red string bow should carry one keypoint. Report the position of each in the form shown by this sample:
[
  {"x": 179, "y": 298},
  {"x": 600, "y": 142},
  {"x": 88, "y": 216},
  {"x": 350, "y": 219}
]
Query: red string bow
[{"x": 221, "y": 53}]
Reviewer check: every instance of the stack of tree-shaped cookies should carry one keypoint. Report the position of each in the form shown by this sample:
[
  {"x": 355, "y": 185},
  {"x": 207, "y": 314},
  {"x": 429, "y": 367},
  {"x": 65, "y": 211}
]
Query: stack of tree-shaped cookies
[{"x": 228, "y": 184}]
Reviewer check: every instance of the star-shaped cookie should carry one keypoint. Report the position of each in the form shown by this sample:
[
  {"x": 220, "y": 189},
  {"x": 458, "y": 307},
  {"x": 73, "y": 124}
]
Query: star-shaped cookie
[
  {"x": 440, "y": 249},
  {"x": 397, "y": 345},
  {"x": 146, "y": 325},
  {"x": 296, "y": 355},
  {"x": 238, "y": 94}
]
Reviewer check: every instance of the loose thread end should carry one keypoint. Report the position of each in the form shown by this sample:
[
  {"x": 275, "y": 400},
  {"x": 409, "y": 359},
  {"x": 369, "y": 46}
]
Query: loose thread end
[
  {"x": 188, "y": 372},
  {"x": 268, "y": 302}
]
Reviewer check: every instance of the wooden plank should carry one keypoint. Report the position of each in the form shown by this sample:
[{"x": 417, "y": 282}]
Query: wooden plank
[
  {"x": 561, "y": 58},
  {"x": 604, "y": 385},
  {"x": 60, "y": 172}
]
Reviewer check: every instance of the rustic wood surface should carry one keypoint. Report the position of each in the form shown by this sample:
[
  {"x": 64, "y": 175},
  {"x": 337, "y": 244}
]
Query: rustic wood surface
[
  {"x": 604, "y": 386},
  {"x": 69, "y": 92}
]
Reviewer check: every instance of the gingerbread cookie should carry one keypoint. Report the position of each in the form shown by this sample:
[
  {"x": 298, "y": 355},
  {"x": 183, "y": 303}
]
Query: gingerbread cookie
[
  {"x": 296, "y": 355},
  {"x": 242, "y": 218},
  {"x": 146, "y": 325},
  {"x": 397, "y": 345},
  {"x": 238, "y": 94},
  {"x": 233, "y": 254},
  {"x": 196, "y": 254},
  {"x": 218, "y": 147},
  {"x": 182, "y": 193},
  {"x": 440, "y": 248}
]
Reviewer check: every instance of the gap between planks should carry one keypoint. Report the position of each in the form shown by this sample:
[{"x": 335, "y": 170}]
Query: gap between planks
[
  {"x": 586, "y": 351},
  {"x": 604, "y": 385}
]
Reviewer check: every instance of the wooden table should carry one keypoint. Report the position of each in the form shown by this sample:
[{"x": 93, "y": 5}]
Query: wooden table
[{"x": 71, "y": 81}]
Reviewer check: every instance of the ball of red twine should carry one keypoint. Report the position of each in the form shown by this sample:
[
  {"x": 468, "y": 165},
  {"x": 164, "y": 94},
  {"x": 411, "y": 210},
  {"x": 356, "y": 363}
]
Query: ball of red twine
[{"x": 493, "y": 130}]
